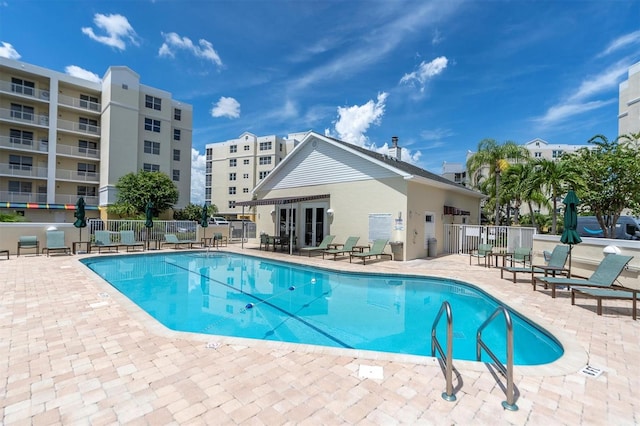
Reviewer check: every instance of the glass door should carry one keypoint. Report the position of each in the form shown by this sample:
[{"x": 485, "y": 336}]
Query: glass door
[
  {"x": 287, "y": 221},
  {"x": 314, "y": 224}
]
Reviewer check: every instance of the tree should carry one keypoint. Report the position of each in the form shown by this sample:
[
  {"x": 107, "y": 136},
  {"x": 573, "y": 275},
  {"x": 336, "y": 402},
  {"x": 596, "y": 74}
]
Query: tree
[
  {"x": 496, "y": 158},
  {"x": 521, "y": 185},
  {"x": 194, "y": 212},
  {"x": 610, "y": 172},
  {"x": 136, "y": 189}
]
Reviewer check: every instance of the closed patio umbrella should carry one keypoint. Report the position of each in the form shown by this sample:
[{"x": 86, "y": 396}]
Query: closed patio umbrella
[
  {"x": 570, "y": 234},
  {"x": 80, "y": 214},
  {"x": 148, "y": 213},
  {"x": 204, "y": 220}
]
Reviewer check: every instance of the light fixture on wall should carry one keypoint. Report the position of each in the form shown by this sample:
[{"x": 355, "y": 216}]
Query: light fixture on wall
[{"x": 330, "y": 212}]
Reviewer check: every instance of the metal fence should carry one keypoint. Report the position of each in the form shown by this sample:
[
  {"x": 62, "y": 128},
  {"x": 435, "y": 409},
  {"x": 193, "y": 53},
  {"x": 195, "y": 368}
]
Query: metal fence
[
  {"x": 184, "y": 229},
  {"x": 465, "y": 238}
]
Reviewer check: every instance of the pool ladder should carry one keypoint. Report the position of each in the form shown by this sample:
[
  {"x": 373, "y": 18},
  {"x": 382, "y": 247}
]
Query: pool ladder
[{"x": 507, "y": 370}]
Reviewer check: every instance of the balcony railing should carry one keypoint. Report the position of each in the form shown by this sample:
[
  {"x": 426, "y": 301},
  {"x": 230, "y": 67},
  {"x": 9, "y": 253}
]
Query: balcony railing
[
  {"x": 75, "y": 175},
  {"x": 73, "y": 198},
  {"x": 24, "y": 117},
  {"x": 79, "y": 103},
  {"x": 73, "y": 126},
  {"x": 24, "y": 144},
  {"x": 22, "y": 197},
  {"x": 7, "y": 169},
  {"x": 22, "y": 90},
  {"x": 77, "y": 151}
]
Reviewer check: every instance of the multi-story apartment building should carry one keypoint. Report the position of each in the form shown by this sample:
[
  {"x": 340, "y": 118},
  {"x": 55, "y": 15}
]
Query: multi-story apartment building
[
  {"x": 629, "y": 102},
  {"x": 62, "y": 137},
  {"x": 234, "y": 167}
]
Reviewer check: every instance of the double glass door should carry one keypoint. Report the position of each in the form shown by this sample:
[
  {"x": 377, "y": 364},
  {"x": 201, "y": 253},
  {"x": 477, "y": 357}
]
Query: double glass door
[{"x": 315, "y": 225}]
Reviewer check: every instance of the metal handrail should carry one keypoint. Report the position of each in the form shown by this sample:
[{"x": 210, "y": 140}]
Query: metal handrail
[
  {"x": 507, "y": 371},
  {"x": 448, "y": 358}
]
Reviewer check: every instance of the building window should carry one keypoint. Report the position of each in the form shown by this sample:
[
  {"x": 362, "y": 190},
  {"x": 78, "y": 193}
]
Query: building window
[
  {"x": 265, "y": 160},
  {"x": 233, "y": 149},
  {"x": 245, "y": 176},
  {"x": 88, "y": 124},
  {"x": 19, "y": 162},
  {"x": 207, "y": 180},
  {"x": 233, "y": 162},
  {"x": 245, "y": 190},
  {"x": 20, "y": 137},
  {"x": 265, "y": 146},
  {"x": 87, "y": 147},
  {"x": 89, "y": 102},
  {"x": 176, "y": 134},
  {"x": 19, "y": 187},
  {"x": 557, "y": 153},
  {"x": 263, "y": 175},
  {"x": 22, "y": 112},
  {"x": 153, "y": 102},
  {"x": 232, "y": 190},
  {"x": 247, "y": 147},
  {"x": 232, "y": 176},
  {"x": 176, "y": 155},
  {"x": 232, "y": 204},
  {"x": 280, "y": 147},
  {"x": 176, "y": 175},
  {"x": 207, "y": 193},
  {"x": 152, "y": 125},
  {"x": 177, "y": 114},
  {"x": 150, "y": 167},
  {"x": 152, "y": 147},
  {"x": 85, "y": 169},
  {"x": 22, "y": 86},
  {"x": 208, "y": 167},
  {"x": 86, "y": 191},
  {"x": 537, "y": 155},
  {"x": 245, "y": 161},
  {"x": 209, "y": 154}
]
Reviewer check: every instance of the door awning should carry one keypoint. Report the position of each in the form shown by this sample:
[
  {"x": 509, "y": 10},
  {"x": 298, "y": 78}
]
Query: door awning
[{"x": 282, "y": 200}]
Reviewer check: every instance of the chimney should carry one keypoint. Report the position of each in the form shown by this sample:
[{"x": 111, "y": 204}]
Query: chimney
[{"x": 395, "y": 151}]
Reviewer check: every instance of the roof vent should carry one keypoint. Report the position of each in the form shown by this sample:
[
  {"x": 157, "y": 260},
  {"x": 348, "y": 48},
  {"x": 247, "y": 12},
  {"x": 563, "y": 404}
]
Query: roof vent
[{"x": 395, "y": 151}]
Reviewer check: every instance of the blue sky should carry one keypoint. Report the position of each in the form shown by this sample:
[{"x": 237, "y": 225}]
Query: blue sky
[{"x": 441, "y": 75}]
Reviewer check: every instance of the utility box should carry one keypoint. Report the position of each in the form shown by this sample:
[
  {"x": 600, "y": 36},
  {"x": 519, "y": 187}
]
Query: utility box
[
  {"x": 432, "y": 247},
  {"x": 396, "y": 250}
]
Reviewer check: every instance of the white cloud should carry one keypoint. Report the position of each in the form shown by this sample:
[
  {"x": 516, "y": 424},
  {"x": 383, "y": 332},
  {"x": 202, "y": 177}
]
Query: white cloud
[
  {"x": 117, "y": 28},
  {"x": 436, "y": 134},
  {"x": 7, "y": 51},
  {"x": 564, "y": 111},
  {"x": 226, "y": 107},
  {"x": 437, "y": 37},
  {"x": 621, "y": 42},
  {"x": 608, "y": 79},
  {"x": 76, "y": 71},
  {"x": 204, "y": 49},
  {"x": 425, "y": 72},
  {"x": 198, "y": 168},
  {"x": 353, "y": 121}
]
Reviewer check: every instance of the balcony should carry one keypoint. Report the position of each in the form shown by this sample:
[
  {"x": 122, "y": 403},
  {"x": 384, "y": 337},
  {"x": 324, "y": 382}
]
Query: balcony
[
  {"x": 75, "y": 151},
  {"x": 24, "y": 117},
  {"x": 24, "y": 92},
  {"x": 20, "y": 144},
  {"x": 22, "y": 197},
  {"x": 16, "y": 170},
  {"x": 85, "y": 129},
  {"x": 73, "y": 198},
  {"x": 80, "y": 104},
  {"x": 77, "y": 176}
]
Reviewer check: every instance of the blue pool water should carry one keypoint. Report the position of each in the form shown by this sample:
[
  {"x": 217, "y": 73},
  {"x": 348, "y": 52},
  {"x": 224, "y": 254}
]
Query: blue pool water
[{"x": 244, "y": 296}]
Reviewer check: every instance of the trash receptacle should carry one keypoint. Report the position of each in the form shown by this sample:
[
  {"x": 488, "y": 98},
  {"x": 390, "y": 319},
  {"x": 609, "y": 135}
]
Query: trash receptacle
[
  {"x": 432, "y": 247},
  {"x": 396, "y": 250}
]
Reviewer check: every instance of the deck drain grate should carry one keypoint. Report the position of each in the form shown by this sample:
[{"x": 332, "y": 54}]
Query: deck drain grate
[{"x": 591, "y": 371}]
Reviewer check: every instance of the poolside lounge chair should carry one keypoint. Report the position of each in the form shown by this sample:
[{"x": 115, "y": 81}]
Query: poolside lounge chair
[
  {"x": 128, "y": 240},
  {"x": 613, "y": 293},
  {"x": 555, "y": 265},
  {"x": 324, "y": 245},
  {"x": 347, "y": 248},
  {"x": 55, "y": 243},
  {"x": 102, "y": 240},
  {"x": 377, "y": 250},
  {"x": 28, "y": 242},
  {"x": 482, "y": 252},
  {"x": 521, "y": 255},
  {"x": 603, "y": 277},
  {"x": 171, "y": 239}
]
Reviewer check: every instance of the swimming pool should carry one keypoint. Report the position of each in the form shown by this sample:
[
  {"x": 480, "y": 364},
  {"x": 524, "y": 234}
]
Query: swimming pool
[{"x": 244, "y": 296}]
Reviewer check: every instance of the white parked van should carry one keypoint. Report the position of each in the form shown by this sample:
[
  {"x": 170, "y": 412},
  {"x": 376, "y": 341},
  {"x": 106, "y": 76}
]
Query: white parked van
[{"x": 627, "y": 228}]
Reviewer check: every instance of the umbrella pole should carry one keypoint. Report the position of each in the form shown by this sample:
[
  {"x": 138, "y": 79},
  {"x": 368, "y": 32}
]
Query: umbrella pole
[{"x": 570, "y": 250}]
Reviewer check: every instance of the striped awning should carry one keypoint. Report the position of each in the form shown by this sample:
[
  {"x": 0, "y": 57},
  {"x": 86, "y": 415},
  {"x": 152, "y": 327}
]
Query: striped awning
[
  {"x": 45, "y": 206},
  {"x": 282, "y": 200}
]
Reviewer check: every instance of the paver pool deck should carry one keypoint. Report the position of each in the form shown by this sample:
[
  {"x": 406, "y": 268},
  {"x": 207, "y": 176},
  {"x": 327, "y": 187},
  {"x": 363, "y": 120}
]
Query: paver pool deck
[{"x": 75, "y": 351}]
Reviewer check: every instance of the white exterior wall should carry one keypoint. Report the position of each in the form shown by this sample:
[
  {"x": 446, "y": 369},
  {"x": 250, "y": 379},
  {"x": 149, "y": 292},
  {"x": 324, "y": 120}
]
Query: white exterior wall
[{"x": 629, "y": 102}]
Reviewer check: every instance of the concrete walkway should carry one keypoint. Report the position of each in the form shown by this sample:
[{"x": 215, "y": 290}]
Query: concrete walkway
[{"x": 75, "y": 351}]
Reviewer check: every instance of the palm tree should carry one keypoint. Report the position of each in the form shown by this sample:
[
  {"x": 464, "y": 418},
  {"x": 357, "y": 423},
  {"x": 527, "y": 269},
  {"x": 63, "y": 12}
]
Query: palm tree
[
  {"x": 556, "y": 178},
  {"x": 496, "y": 157},
  {"x": 520, "y": 185}
]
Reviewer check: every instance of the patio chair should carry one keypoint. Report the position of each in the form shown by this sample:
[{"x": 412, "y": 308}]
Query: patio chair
[
  {"x": 613, "y": 293},
  {"x": 128, "y": 240},
  {"x": 171, "y": 239},
  {"x": 521, "y": 255},
  {"x": 5, "y": 252},
  {"x": 603, "y": 277},
  {"x": 265, "y": 240},
  {"x": 324, "y": 245},
  {"x": 347, "y": 248},
  {"x": 28, "y": 242},
  {"x": 377, "y": 250},
  {"x": 219, "y": 240},
  {"x": 55, "y": 243},
  {"x": 102, "y": 240},
  {"x": 482, "y": 252},
  {"x": 555, "y": 265}
]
